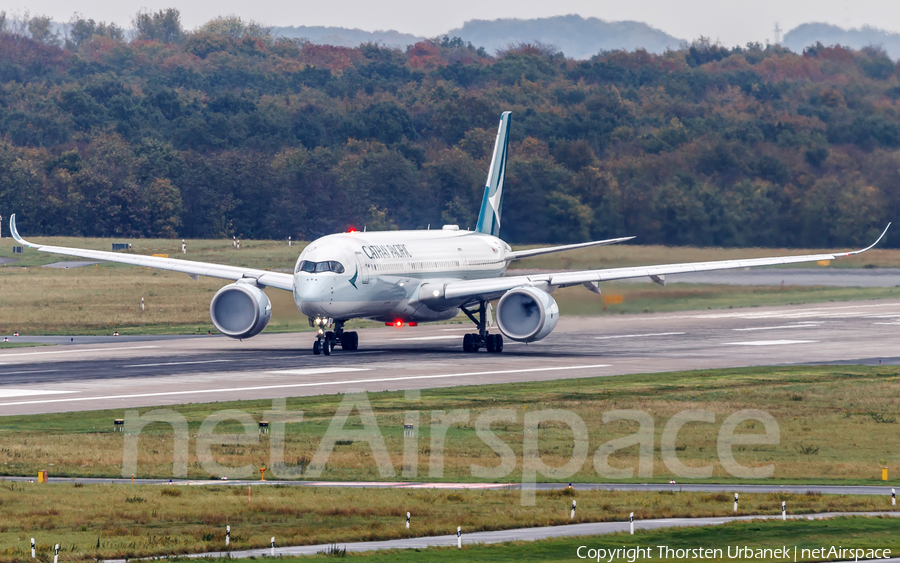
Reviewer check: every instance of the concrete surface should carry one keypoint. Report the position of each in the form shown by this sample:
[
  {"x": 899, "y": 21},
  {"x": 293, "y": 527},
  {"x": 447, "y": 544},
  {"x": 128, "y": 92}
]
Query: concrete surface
[{"x": 205, "y": 369}]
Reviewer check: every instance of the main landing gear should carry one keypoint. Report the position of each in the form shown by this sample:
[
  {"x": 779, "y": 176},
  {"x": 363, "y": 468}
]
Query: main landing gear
[
  {"x": 326, "y": 340},
  {"x": 481, "y": 339}
]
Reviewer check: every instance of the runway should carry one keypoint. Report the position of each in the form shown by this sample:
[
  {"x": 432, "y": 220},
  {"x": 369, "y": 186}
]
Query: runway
[{"x": 205, "y": 369}]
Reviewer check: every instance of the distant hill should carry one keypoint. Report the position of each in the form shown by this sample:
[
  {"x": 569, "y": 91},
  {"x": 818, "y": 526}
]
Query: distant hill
[
  {"x": 577, "y": 37},
  {"x": 808, "y": 34},
  {"x": 344, "y": 37}
]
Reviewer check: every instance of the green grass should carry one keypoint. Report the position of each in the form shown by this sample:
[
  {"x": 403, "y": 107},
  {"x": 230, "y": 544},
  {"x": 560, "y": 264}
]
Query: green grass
[
  {"x": 145, "y": 520},
  {"x": 105, "y": 298},
  {"x": 277, "y": 254},
  {"x": 847, "y": 414},
  {"x": 5, "y": 345}
]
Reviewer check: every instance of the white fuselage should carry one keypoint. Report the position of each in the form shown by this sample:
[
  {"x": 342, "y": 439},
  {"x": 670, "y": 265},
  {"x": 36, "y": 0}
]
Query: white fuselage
[{"x": 382, "y": 272}]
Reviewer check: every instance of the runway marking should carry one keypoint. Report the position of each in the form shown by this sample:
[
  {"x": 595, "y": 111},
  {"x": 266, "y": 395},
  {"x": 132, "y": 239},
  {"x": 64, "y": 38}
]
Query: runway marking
[
  {"x": 777, "y": 327},
  {"x": 10, "y": 393},
  {"x": 29, "y": 371},
  {"x": 840, "y": 311},
  {"x": 315, "y": 371},
  {"x": 442, "y": 337},
  {"x": 295, "y": 385},
  {"x": 177, "y": 363},
  {"x": 77, "y": 351},
  {"x": 637, "y": 335},
  {"x": 769, "y": 342}
]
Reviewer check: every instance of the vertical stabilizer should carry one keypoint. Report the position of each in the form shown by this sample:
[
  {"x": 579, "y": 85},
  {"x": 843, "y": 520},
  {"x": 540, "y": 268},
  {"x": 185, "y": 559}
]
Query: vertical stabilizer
[{"x": 489, "y": 218}]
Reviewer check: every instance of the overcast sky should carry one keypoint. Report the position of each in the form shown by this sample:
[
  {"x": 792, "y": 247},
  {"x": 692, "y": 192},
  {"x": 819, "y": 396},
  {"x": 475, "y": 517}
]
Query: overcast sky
[{"x": 732, "y": 22}]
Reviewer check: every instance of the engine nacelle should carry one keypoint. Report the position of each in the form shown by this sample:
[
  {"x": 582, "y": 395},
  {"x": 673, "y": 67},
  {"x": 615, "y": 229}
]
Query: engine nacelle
[
  {"x": 240, "y": 310},
  {"x": 527, "y": 314}
]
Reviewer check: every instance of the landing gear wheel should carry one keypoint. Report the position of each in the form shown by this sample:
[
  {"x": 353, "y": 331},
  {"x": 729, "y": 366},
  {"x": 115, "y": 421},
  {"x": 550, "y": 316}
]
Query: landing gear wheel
[
  {"x": 327, "y": 346},
  {"x": 317, "y": 348},
  {"x": 494, "y": 343},
  {"x": 469, "y": 343},
  {"x": 350, "y": 341}
]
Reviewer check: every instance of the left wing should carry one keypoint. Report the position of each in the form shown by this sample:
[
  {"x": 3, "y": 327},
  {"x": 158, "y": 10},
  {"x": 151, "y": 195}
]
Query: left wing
[
  {"x": 194, "y": 269},
  {"x": 493, "y": 288}
]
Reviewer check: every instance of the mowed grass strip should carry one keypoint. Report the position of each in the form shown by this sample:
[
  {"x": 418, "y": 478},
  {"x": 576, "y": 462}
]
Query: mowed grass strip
[
  {"x": 836, "y": 425},
  {"x": 103, "y": 521},
  {"x": 277, "y": 253},
  {"x": 104, "y": 298}
]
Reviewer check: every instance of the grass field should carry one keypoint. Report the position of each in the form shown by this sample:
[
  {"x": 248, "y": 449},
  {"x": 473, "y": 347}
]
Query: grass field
[
  {"x": 135, "y": 521},
  {"x": 837, "y": 424},
  {"x": 863, "y": 533},
  {"x": 104, "y": 298},
  {"x": 277, "y": 254},
  {"x": 5, "y": 345}
]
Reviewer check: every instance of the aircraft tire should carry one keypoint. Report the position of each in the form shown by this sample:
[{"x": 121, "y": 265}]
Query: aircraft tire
[
  {"x": 469, "y": 343},
  {"x": 317, "y": 348},
  {"x": 349, "y": 341},
  {"x": 327, "y": 346}
]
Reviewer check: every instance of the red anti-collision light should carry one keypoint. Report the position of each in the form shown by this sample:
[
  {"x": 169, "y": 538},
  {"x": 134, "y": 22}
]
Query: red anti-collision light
[
  {"x": 352, "y": 230},
  {"x": 398, "y": 323}
]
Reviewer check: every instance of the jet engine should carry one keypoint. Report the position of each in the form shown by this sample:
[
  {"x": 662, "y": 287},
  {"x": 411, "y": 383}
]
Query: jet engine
[
  {"x": 240, "y": 310},
  {"x": 527, "y": 314}
]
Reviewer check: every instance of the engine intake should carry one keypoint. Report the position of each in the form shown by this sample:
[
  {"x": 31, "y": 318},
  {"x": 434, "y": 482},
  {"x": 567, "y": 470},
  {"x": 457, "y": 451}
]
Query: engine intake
[
  {"x": 240, "y": 310},
  {"x": 527, "y": 314}
]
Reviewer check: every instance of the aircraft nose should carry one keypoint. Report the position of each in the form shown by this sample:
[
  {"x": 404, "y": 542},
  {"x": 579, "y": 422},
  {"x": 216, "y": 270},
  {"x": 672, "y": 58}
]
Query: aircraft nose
[{"x": 310, "y": 290}]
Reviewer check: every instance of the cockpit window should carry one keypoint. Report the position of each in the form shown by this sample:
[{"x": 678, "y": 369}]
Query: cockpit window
[{"x": 319, "y": 267}]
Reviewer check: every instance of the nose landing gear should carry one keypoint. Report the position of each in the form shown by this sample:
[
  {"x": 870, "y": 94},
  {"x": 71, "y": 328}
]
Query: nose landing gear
[
  {"x": 481, "y": 339},
  {"x": 326, "y": 341}
]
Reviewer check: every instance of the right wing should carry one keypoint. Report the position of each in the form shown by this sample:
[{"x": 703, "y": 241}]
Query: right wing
[
  {"x": 519, "y": 254},
  {"x": 194, "y": 269},
  {"x": 489, "y": 289}
]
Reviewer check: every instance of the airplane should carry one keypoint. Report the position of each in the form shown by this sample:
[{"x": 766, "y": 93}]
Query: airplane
[{"x": 411, "y": 277}]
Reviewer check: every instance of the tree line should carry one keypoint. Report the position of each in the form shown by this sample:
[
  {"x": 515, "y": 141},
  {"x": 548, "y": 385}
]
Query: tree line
[{"x": 226, "y": 130}]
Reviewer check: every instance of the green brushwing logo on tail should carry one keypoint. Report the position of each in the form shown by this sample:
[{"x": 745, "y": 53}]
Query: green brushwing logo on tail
[{"x": 489, "y": 218}]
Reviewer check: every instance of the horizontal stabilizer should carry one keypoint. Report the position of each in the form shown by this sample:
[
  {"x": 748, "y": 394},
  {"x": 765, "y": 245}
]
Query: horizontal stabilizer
[{"x": 519, "y": 254}]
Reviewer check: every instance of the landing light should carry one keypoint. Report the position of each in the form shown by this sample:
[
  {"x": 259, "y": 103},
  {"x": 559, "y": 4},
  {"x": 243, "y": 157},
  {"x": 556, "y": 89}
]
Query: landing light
[{"x": 436, "y": 293}]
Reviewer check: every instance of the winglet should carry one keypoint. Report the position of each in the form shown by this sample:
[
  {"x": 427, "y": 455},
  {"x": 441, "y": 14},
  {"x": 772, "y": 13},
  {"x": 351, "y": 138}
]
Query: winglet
[
  {"x": 871, "y": 246},
  {"x": 15, "y": 233}
]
